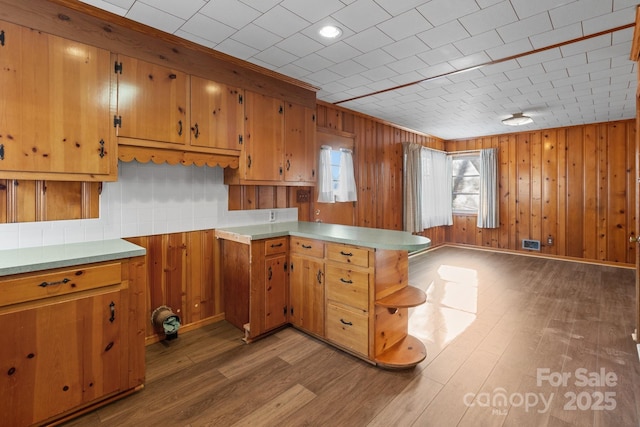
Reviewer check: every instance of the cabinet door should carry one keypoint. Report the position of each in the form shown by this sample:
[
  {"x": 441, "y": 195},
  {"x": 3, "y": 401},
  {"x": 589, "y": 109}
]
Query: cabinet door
[
  {"x": 275, "y": 291},
  {"x": 307, "y": 291},
  {"x": 152, "y": 101},
  {"x": 54, "y": 108},
  {"x": 57, "y": 357},
  {"x": 300, "y": 144},
  {"x": 217, "y": 115},
  {"x": 263, "y": 137}
]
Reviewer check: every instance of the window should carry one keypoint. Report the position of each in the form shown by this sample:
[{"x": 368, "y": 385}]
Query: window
[
  {"x": 336, "y": 178},
  {"x": 466, "y": 183}
]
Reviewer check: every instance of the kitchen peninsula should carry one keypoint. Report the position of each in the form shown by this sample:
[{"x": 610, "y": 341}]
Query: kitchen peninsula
[{"x": 345, "y": 285}]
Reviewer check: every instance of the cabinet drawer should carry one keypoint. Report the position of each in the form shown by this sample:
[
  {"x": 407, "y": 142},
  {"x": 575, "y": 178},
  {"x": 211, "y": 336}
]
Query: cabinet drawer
[
  {"x": 348, "y": 254},
  {"x": 31, "y": 287},
  {"x": 348, "y": 287},
  {"x": 348, "y": 328},
  {"x": 275, "y": 246},
  {"x": 309, "y": 247}
]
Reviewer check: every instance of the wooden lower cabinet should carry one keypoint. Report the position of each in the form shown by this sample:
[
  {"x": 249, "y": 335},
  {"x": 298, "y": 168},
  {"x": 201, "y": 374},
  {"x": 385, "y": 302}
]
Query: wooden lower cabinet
[
  {"x": 255, "y": 281},
  {"x": 307, "y": 285},
  {"x": 72, "y": 338}
]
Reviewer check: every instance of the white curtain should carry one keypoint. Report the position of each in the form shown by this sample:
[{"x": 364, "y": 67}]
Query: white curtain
[
  {"x": 488, "y": 204},
  {"x": 346, "y": 191},
  {"x": 412, "y": 188},
  {"x": 325, "y": 181},
  {"x": 437, "y": 180}
]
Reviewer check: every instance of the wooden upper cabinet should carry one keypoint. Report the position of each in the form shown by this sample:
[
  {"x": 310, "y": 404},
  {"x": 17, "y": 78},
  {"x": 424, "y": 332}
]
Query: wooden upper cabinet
[
  {"x": 217, "y": 115},
  {"x": 264, "y": 137},
  {"x": 300, "y": 144},
  {"x": 152, "y": 101},
  {"x": 279, "y": 144},
  {"x": 54, "y": 108}
]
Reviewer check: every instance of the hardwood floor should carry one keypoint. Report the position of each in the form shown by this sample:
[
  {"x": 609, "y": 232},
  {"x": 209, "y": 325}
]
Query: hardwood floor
[{"x": 512, "y": 340}]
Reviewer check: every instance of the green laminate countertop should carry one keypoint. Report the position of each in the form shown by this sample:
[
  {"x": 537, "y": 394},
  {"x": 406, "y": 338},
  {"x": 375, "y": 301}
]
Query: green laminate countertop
[
  {"x": 360, "y": 236},
  {"x": 26, "y": 260}
]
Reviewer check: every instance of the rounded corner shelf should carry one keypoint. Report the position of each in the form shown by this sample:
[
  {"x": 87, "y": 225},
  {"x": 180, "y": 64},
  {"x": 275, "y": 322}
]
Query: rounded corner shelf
[
  {"x": 409, "y": 296},
  {"x": 405, "y": 354}
]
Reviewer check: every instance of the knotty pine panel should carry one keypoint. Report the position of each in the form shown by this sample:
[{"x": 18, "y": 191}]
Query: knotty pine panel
[
  {"x": 574, "y": 184},
  {"x": 183, "y": 272}
]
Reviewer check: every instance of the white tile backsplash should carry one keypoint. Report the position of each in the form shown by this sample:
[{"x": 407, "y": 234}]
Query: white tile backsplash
[{"x": 147, "y": 199}]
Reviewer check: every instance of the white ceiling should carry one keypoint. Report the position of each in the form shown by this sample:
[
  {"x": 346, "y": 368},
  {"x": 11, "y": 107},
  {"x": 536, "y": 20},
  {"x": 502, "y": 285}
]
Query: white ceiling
[{"x": 394, "y": 43}]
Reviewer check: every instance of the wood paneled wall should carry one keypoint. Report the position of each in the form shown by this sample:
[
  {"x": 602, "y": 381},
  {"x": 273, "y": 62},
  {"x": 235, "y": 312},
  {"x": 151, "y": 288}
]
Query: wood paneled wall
[
  {"x": 183, "y": 272},
  {"x": 378, "y": 164},
  {"x": 574, "y": 184}
]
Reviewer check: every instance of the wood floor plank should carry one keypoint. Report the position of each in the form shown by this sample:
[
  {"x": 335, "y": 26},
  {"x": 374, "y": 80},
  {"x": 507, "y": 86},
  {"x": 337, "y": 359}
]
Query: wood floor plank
[{"x": 491, "y": 322}]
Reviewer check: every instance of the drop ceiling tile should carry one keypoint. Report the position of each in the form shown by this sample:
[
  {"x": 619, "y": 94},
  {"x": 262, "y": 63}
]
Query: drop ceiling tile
[
  {"x": 408, "y": 64},
  {"x": 313, "y": 62},
  {"x": 490, "y": 18},
  {"x": 500, "y": 67},
  {"x": 441, "y": 54},
  {"x": 379, "y": 85},
  {"x": 540, "y": 57},
  {"x": 232, "y": 12},
  {"x": 608, "y": 52},
  {"x": 536, "y": 88},
  {"x": 409, "y": 77},
  {"x": 256, "y": 37},
  {"x": 281, "y": 21},
  {"x": 592, "y": 67},
  {"x": 237, "y": 49},
  {"x": 613, "y": 20},
  {"x": 204, "y": 27},
  {"x": 275, "y": 56},
  {"x": 560, "y": 35},
  {"x": 573, "y": 80},
  {"x": 261, "y": 5},
  {"x": 479, "y": 43},
  {"x": 527, "y": 27},
  {"x": 404, "y": 48},
  {"x": 154, "y": 17},
  {"x": 293, "y": 71},
  {"x": 299, "y": 45},
  {"x": 569, "y": 61},
  {"x": 368, "y": 40},
  {"x": 312, "y": 11},
  {"x": 199, "y": 40},
  {"x": 324, "y": 76},
  {"x": 510, "y": 49},
  {"x": 355, "y": 81},
  {"x": 184, "y": 10},
  {"x": 374, "y": 59},
  {"x": 527, "y": 8},
  {"x": 579, "y": 11},
  {"x": 395, "y": 7},
  {"x": 516, "y": 83},
  {"x": 379, "y": 73},
  {"x": 586, "y": 45},
  {"x": 525, "y": 72},
  {"x": 473, "y": 75},
  {"x": 444, "y": 34},
  {"x": 470, "y": 61},
  {"x": 405, "y": 25},
  {"x": 347, "y": 68},
  {"x": 361, "y": 15},
  {"x": 439, "y": 12},
  {"x": 339, "y": 52}
]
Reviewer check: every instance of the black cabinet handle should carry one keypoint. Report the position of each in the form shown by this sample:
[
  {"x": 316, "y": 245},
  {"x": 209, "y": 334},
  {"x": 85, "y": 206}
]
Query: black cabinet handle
[
  {"x": 179, "y": 127},
  {"x": 348, "y": 282},
  {"x": 346, "y": 253},
  {"x": 288, "y": 164},
  {"x": 112, "y": 309},
  {"x": 306, "y": 246},
  {"x": 276, "y": 245},
  {"x": 270, "y": 273},
  {"x": 196, "y": 131},
  {"x": 59, "y": 282},
  {"x": 319, "y": 277},
  {"x": 248, "y": 161},
  {"x": 346, "y": 323}
]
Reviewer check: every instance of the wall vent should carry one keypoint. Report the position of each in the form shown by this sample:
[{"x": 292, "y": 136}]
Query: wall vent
[{"x": 532, "y": 245}]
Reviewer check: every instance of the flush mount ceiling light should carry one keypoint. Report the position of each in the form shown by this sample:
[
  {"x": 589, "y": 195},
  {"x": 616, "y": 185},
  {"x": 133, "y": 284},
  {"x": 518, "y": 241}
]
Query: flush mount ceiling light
[
  {"x": 330, "y": 32},
  {"x": 517, "y": 119}
]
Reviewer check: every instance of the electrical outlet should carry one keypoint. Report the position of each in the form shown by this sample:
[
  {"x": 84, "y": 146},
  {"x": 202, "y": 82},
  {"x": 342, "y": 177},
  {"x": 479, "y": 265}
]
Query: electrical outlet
[{"x": 272, "y": 216}]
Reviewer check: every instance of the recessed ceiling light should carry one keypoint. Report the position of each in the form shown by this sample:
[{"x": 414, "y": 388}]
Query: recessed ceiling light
[
  {"x": 330, "y": 32},
  {"x": 517, "y": 119}
]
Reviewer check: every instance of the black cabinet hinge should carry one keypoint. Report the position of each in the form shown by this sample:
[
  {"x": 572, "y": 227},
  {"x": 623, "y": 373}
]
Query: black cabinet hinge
[
  {"x": 281, "y": 110},
  {"x": 101, "y": 152},
  {"x": 240, "y": 139},
  {"x": 118, "y": 67},
  {"x": 117, "y": 121},
  {"x": 313, "y": 118},
  {"x": 284, "y": 311},
  {"x": 1, "y": 37},
  {"x": 240, "y": 99},
  {"x": 1, "y": 151}
]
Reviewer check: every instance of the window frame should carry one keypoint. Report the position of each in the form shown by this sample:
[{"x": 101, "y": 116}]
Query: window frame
[{"x": 458, "y": 156}]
